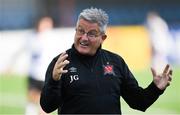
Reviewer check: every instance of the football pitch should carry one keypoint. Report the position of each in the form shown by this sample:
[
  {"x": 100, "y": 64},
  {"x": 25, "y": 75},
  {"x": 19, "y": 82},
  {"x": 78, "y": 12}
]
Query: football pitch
[{"x": 13, "y": 92}]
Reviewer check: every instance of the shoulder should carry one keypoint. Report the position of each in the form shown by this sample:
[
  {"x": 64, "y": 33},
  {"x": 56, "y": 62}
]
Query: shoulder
[
  {"x": 114, "y": 58},
  {"x": 111, "y": 55},
  {"x": 117, "y": 61}
]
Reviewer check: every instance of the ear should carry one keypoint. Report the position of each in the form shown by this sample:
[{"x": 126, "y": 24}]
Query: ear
[{"x": 104, "y": 37}]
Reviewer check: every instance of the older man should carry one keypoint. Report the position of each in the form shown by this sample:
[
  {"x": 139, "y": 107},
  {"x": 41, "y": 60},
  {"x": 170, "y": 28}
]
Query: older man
[{"x": 88, "y": 79}]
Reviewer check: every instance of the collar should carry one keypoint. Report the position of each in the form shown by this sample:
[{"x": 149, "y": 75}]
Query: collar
[{"x": 85, "y": 56}]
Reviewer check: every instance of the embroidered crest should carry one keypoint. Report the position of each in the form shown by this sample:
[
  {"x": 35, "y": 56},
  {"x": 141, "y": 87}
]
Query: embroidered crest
[{"x": 108, "y": 69}]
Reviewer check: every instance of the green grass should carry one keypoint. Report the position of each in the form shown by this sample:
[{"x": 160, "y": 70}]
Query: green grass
[
  {"x": 12, "y": 94},
  {"x": 13, "y": 90}
]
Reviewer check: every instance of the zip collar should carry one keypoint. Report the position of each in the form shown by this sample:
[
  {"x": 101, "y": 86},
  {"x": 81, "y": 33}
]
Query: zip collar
[
  {"x": 85, "y": 56},
  {"x": 87, "y": 60}
]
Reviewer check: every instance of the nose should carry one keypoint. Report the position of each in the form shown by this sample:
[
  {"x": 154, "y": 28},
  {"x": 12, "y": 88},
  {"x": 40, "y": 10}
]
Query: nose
[{"x": 84, "y": 36}]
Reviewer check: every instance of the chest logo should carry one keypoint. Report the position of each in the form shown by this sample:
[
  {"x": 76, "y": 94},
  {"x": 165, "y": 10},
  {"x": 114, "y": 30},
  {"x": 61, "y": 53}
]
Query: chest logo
[
  {"x": 108, "y": 69},
  {"x": 72, "y": 69}
]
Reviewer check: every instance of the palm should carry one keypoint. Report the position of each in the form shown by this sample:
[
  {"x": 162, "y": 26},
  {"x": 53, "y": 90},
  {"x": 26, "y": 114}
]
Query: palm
[{"x": 162, "y": 80}]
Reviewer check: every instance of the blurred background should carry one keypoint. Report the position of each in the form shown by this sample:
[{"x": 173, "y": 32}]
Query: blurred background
[{"x": 144, "y": 32}]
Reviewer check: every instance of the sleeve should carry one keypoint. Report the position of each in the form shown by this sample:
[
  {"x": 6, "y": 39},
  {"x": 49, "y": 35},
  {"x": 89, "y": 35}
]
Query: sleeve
[
  {"x": 135, "y": 96},
  {"x": 51, "y": 97}
]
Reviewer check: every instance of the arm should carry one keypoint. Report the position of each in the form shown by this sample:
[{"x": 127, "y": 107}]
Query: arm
[
  {"x": 51, "y": 96},
  {"x": 137, "y": 97}
]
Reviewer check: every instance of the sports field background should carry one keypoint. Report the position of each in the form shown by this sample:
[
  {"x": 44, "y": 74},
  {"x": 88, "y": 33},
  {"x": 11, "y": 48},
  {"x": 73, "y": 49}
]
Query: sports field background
[
  {"x": 136, "y": 52},
  {"x": 13, "y": 94},
  {"x": 127, "y": 36}
]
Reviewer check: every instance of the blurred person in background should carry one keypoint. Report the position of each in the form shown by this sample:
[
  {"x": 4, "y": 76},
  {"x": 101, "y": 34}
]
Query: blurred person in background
[
  {"x": 39, "y": 48},
  {"x": 90, "y": 80},
  {"x": 178, "y": 48},
  {"x": 161, "y": 40}
]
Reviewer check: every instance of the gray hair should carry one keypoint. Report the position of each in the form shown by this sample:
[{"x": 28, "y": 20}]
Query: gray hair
[{"x": 95, "y": 15}]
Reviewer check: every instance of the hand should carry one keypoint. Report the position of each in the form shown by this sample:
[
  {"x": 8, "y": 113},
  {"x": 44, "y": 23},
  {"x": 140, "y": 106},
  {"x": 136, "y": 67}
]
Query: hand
[
  {"x": 59, "y": 66},
  {"x": 162, "y": 80}
]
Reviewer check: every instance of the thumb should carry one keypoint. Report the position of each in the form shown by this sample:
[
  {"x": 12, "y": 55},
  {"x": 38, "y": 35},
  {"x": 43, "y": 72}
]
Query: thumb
[{"x": 153, "y": 72}]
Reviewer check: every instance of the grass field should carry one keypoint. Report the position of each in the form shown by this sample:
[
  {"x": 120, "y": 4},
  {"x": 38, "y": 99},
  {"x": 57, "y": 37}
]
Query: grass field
[{"x": 13, "y": 95}]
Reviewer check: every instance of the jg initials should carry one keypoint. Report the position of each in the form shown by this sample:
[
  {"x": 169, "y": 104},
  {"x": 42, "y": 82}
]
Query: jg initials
[{"x": 74, "y": 78}]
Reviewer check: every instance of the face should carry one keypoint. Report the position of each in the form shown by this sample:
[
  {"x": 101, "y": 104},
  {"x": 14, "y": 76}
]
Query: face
[{"x": 88, "y": 37}]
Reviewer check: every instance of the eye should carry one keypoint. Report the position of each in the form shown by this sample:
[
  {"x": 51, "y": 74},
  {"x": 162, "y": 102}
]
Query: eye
[
  {"x": 81, "y": 31},
  {"x": 92, "y": 33}
]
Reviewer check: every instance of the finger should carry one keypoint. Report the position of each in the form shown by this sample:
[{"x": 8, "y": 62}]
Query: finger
[
  {"x": 166, "y": 69},
  {"x": 169, "y": 78},
  {"x": 61, "y": 69},
  {"x": 62, "y": 57},
  {"x": 59, "y": 58},
  {"x": 153, "y": 72},
  {"x": 170, "y": 72},
  {"x": 60, "y": 72},
  {"x": 62, "y": 64},
  {"x": 170, "y": 75},
  {"x": 168, "y": 83},
  {"x": 62, "y": 54},
  {"x": 64, "y": 71}
]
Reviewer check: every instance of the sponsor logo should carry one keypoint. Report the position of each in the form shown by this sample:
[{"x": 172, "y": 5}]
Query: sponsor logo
[{"x": 72, "y": 69}]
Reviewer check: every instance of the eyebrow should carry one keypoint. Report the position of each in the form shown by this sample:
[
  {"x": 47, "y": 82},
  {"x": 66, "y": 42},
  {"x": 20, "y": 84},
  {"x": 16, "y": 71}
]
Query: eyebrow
[{"x": 80, "y": 27}]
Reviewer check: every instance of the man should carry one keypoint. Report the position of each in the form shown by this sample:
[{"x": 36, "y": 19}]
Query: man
[{"x": 88, "y": 79}]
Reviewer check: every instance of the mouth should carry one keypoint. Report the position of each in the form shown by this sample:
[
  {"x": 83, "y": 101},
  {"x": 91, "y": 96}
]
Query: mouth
[{"x": 84, "y": 44}]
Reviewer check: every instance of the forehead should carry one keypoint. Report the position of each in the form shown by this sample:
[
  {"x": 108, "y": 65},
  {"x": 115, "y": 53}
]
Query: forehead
[{"x": 87, "y": 25}]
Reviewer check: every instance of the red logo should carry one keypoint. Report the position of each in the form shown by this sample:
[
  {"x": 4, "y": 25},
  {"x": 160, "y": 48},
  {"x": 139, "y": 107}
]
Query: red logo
[{"x": 108, "y": 69}]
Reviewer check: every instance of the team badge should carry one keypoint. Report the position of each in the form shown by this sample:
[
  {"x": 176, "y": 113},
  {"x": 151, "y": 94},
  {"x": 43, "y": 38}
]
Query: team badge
[{"x": 108, "y": 69}]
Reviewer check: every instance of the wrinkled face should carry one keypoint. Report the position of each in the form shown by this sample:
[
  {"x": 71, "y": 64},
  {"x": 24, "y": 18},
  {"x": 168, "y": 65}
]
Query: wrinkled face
[{"x": 88, "y": 37}]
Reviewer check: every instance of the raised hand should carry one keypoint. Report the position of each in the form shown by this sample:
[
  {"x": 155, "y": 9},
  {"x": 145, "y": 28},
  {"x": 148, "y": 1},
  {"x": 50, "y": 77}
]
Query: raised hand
[
  {"x": 162, "y": 80},
  {"x": 59, "y": 66}
]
